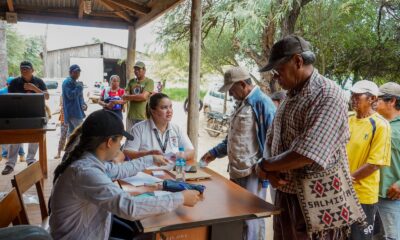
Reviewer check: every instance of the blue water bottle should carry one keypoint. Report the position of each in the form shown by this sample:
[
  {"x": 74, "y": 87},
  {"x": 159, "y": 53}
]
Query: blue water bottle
[{"x": 180, "y": 165}]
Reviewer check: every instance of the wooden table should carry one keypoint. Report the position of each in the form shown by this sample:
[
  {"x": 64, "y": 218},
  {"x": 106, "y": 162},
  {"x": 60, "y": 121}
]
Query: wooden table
[
  {"x": 220, "y": 215},
  {"x": 14, "y": 136}
]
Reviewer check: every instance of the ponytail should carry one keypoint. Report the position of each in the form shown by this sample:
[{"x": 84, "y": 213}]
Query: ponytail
[{"x": 75, "y": 148}]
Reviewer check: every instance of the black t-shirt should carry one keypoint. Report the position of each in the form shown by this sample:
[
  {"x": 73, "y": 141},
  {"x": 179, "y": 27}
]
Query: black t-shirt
[{"x": 17, "y": 85}]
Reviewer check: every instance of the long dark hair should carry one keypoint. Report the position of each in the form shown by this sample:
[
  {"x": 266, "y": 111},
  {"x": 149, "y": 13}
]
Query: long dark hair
[
  {"x": 76, "y": 146},
  {"x": 153, "y": 102}
]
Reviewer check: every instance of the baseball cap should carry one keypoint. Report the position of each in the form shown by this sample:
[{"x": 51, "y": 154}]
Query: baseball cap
[
  {"x": 233, "y": 75},
  {"x": 104, "y": 123},
  {"x": 74, "y": 68},
  {"x": 26, "y": 64},
  {"x": 139, "y": 64},
  {"x": 390, "y": 88},
  {"x": 365, "y": 86},
  {"x": 285, "y": 48}
]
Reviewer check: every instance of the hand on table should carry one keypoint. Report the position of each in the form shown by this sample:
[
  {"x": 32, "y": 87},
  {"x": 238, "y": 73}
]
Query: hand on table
[
  {"x": 160, "y": 160},
  {"x": 190, "y": 197},
  {"x": 208, "y": 157}
]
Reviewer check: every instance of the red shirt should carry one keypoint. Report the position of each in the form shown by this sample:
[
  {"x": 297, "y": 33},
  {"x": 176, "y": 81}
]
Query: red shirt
[{"x": 111, "y": 93}]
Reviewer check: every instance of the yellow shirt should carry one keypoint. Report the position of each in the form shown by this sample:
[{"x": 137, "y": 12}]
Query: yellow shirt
[{"x": 366, "y": 147}]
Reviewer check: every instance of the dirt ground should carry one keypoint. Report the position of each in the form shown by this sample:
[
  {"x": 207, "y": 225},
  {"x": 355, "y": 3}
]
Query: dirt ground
[{"x": 205, "y": 143}]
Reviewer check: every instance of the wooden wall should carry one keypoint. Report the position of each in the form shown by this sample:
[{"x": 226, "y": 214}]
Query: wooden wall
[{"x": 57, "y": 64}]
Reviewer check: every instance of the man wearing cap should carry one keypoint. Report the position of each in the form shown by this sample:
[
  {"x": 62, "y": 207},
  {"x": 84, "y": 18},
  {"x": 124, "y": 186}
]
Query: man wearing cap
[
  {"x": 246, "y": 137},
  {"x": 308, "y": 134},
  {"x": 388, "y": 106},
  {"x": 26, "y": 83},
  {"x": 72, "y": 98},
  {"x": 368, "y": 150},
  {"x": 138, "y": 92}
]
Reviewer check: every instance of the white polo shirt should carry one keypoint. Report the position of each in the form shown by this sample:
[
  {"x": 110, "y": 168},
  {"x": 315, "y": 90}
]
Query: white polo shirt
[{"x": 145, "y": 138}]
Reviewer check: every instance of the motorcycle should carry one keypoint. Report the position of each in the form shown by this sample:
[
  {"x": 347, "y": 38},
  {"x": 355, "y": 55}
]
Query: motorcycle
[{"x": 217, "y": 123}]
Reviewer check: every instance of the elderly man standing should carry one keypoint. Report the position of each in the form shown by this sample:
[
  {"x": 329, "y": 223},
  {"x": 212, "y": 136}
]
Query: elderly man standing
[
  {"x": 308, "y": 135},
  {"x": 137, "y": 93},
  {"x": 389, "y": 190},
  {"x": 72, "y": 99},
  {"x": 246, "y": 137},
  {"x": 26, "y": 83}
]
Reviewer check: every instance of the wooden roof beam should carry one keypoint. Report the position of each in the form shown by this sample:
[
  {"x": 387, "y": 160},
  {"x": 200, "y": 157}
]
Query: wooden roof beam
[
  {"x": 10, "y": 5},
  {"x": 118, "y": 10},
  {"x": 80, "y": 11},
  {"x": 157, "y": 9},
  {"x": 141, "y": 9}
]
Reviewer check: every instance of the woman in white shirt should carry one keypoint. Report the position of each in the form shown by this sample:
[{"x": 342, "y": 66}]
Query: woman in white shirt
[
  {"x": 156, "y": 137},
  {"x": 84, "y": 196}
]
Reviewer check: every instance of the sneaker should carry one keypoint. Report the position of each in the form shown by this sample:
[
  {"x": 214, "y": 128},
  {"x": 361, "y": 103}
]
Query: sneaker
[
  {"x": 30, "y": 163},
  {"x": 7, "y": 170},
  {"x": 22, "y": 158}
]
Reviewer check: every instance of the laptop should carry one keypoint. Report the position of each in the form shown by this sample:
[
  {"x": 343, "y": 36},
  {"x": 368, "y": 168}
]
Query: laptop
[{"x": 22, "y": 111}]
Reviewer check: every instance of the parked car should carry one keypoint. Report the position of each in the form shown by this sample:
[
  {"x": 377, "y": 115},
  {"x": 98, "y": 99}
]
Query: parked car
[{"x": 214, "y": 102}]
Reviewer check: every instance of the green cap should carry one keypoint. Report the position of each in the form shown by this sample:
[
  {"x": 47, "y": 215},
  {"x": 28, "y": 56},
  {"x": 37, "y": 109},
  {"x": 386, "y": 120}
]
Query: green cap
[{"x": 139, "y": 64}]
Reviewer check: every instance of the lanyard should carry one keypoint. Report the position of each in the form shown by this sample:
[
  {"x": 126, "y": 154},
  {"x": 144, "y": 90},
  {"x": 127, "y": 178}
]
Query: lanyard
[{"x": 162, "y": 146}]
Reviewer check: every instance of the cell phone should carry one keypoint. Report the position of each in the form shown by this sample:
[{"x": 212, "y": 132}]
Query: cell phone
[{"x": 190, "y": 169}]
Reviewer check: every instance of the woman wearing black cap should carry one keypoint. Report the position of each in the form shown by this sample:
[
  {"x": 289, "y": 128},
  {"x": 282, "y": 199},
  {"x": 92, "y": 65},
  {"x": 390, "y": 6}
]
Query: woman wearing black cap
[{"x": 84, "y": 197}]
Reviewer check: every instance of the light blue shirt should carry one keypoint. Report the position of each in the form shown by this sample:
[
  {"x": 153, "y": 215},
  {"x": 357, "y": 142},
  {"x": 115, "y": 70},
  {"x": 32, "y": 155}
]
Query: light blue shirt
[{"x": 84, "y": 197}]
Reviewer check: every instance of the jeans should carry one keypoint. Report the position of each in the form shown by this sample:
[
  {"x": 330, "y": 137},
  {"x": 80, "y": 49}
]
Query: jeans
[
  {"x": 365, "y": 233},
  {"x": 254, "y": 229},
  {"x": 72, "y": 124},
  {"x": 389, "y": 212},
  {"x": 13, "y": 152},
  {"x": 4, "y": 149}
]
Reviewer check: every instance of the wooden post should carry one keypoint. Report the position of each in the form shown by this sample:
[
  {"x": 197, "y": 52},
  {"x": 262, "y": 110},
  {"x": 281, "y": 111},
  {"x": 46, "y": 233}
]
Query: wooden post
[
  {"x": 3, "y": 54},
  {"x": 131, "y": 53},
  {"x": 194, "y": 74}
]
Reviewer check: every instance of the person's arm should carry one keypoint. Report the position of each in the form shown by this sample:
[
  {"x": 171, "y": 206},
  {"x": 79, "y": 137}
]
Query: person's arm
[
  {"x": 137, "y": 98},
  {"x": 138, "y": 154},
  {"x": 285, "y": 161},
  {"x": 379, "y": 153},
  {"x": 32, "y": 87},
  {"x": 364, "y": 171},
  {"x": 98, "y": 189}
]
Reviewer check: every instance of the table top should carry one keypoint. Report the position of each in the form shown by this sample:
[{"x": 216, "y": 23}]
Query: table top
[
  {"x": 46, "y": 128},
  {"x": 222, "y": 201}
]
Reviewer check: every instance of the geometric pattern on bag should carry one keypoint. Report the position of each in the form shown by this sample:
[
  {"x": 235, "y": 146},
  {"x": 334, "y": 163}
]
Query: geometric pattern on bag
[{"x": 328, "y": 200}]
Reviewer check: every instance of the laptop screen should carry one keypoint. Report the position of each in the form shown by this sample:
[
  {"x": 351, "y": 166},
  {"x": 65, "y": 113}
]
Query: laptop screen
[{"x": 22, "y": 105}]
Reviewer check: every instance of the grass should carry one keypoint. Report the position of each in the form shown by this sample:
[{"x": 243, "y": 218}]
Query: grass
[{"x": 180, "y": 94}]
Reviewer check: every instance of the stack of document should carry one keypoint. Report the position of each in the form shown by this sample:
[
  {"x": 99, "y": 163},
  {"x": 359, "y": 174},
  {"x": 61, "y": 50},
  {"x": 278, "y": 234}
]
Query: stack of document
[{"x": 142, "y": 179}]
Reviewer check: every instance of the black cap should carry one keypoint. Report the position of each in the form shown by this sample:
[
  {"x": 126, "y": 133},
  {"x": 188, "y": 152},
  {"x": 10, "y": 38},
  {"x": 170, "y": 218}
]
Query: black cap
[
  {"x": 26, "y": 64},
  {"x": 74, "y": 68},
  {"x": 104, "y": 123},
  {"x": 284, "y": 48}
]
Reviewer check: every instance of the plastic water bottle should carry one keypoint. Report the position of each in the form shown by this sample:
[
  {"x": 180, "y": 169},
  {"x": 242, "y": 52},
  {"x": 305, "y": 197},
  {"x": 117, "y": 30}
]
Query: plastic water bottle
[{"x": 180, "y": 165}]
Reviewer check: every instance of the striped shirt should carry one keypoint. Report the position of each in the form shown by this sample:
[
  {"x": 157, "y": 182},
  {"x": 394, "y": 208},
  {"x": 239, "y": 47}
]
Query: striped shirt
[{"x": 311, "y": 122}]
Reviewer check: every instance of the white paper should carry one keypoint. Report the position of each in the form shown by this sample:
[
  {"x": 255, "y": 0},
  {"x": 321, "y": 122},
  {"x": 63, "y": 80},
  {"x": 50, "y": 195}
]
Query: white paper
[
  {"x": 141, "y": 179},
  {"x": 158, "y": 173},
  {"x": 161, "y": 193}
]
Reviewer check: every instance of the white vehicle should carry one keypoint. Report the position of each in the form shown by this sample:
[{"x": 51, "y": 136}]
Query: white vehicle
[{"x": 214, "y": 102}]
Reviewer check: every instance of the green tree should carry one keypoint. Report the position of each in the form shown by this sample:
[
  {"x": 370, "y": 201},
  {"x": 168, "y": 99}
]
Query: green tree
[{"x": 20, "y": 48}]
